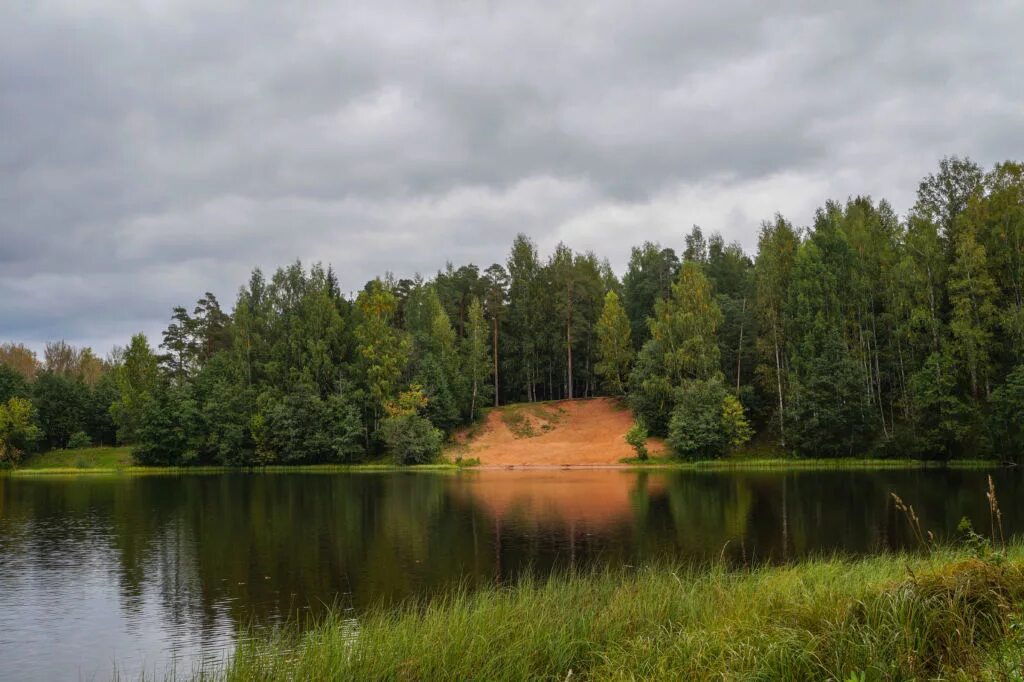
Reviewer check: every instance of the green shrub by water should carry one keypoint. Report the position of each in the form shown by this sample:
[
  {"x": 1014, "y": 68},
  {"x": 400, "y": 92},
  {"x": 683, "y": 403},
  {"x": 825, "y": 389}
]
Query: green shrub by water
[{"x": 951, "y": 615}]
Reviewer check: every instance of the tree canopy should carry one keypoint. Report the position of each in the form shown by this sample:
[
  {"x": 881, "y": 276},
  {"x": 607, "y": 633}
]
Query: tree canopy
[{"x": 863, "y": 333}]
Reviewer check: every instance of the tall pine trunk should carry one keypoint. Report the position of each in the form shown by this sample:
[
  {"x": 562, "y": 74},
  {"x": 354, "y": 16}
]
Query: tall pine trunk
[
  {"x": 495, "y": 354},
  {"x": 568, "y": 346},
  {"x": 778, "y": 378},
  {"x": 739, "y": 349}
]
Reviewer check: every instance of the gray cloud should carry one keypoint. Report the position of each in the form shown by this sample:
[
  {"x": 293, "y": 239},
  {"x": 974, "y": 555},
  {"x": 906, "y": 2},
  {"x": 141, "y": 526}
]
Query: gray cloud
[{"x": 150, "y": 152}]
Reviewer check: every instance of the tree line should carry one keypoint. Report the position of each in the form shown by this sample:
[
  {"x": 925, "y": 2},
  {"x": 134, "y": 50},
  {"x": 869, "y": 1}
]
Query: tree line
[{"x": 863, "y": 333}]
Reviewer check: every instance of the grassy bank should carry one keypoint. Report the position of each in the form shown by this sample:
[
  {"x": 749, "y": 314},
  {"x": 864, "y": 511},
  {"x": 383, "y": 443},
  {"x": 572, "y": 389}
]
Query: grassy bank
[
  {"x": 756, "y": 464},
  {"x": 101, "y": 458},
  {"x": 118, "y": 460},
  {"x": 950, "y": 615}
]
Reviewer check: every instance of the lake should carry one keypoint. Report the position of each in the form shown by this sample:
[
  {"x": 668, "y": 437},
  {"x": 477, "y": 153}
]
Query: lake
[{"x": 150, "y": 573}]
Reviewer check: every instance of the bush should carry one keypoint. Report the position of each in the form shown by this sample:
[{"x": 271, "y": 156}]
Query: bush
[
  {"x": 637, "y": 437},
  {"x": 79, "y": 439},
  {"x": 411, "y": 439},
  {"x": 707, "y": 421}
]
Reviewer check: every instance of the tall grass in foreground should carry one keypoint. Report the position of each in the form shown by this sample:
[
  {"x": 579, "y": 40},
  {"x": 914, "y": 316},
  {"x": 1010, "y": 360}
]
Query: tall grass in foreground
[{"x": 954, "y": 614}]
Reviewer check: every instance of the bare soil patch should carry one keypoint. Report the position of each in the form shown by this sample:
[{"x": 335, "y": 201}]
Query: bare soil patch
[{"x": 559, "y": 433}]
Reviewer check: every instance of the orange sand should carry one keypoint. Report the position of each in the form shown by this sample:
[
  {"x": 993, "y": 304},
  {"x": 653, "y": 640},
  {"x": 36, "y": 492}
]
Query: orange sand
[
  {"x": 587, "y": 432},
  {"x": 588, "y": 497}
]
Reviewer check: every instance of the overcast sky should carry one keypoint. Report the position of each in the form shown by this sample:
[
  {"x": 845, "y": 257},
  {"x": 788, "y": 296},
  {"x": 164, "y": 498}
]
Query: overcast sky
[{"x": 154, "y": 150}]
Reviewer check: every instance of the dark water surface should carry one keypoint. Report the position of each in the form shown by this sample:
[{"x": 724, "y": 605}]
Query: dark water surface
[{"x": 153, "y": 571}]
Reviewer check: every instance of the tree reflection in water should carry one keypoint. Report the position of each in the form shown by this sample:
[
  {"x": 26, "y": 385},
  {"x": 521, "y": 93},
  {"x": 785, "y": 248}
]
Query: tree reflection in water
[{"x": 196, "y": 559}]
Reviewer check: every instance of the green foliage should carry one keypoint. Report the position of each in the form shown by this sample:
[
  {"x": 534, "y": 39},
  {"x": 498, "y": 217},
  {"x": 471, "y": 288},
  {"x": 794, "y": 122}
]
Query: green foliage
[
  {"x": 12, "y": 384},
  {"x": 18, "y": 431},
  {"x": 697, "y": 428},
  {"x": 1008, "y": 416},
  {"x": 442, "y": 405},
  {"x": 972, "y": 294},
  {"x": 476, "y": 362},
  {"x": 863, "y": 332},
  {"x": 829, "y": 413},
  {"x": 734, "y": 423},
  {"x": 651, "y": 393},
  {"x": 411, "y": 439},
  {"x": 776, "y": 251},
  {"x": 61, "y": 404},
  {"x": 79, "y": 439},
  {"x": 681, "y": 359},
  {"x": 649, "y": 277},
  {"x": 637, "y": 439},
  {"x": 226, "y": 406},
  {"x": 684, "y": 327},
  {"x": 383, "y": 351},
  {"x": 940, "y": 417},
  {"x": 168, "y": 431},
  {"x": 137, "y": 381},
  {"x": 615, "y": 349},
  {"x": 99, "y": 423},
  {"x": 302, "y": 428}
]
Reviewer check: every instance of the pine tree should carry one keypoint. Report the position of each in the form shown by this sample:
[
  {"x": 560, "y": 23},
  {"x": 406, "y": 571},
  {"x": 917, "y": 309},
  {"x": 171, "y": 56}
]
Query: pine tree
[
  {"x": 523, "y": 316},
  {"x": 475, "y": 361},
  {"x": 495, "y": 303}
]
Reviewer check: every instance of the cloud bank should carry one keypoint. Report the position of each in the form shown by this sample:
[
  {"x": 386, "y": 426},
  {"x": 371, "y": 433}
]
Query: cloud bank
[{"x": 153, "y": 151}]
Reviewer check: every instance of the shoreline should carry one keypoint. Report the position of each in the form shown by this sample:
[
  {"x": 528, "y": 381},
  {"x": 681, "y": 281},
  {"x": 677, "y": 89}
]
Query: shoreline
[{"x": 775, "y": 464}]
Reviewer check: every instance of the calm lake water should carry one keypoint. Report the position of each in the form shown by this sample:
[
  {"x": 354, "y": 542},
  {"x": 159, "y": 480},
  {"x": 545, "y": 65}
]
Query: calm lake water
[{"x": 151, "y": 572}]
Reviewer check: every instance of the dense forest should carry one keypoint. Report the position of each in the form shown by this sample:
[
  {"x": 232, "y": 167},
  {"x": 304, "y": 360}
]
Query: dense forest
[{"x": 860, "y": 334}]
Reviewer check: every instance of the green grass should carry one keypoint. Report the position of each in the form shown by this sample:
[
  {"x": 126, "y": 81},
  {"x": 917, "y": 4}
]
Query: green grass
[
  {"x": 518, "y": 423},
  {"x": 94, "y": 461},
  {"x": 118, "y": 460},
  {"x": 949, "y": 615},
  {"x": 517, "y": 418},
  {"x": 782, "y": 463},
  {"x": 82, "y": 458}
]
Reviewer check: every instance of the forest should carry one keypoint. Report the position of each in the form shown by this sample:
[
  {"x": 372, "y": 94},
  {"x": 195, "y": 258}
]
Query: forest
[{"x": 861, "y": 334}]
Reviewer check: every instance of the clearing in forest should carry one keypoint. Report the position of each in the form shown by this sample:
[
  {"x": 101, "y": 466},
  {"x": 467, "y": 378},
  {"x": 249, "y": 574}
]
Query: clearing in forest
[{"x": 564, "y": 432}]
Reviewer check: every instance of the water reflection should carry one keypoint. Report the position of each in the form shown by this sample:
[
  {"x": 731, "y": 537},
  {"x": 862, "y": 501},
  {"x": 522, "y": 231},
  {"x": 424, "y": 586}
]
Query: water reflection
[{"x": 136, "y": 570}]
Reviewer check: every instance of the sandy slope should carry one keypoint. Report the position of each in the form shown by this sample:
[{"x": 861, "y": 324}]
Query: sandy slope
[{"x": 567, "y": 432}]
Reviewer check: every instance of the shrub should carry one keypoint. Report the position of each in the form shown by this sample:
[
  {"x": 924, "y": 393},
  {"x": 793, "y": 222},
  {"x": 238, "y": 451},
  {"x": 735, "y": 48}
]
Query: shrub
[
  {"x": 637, "y": 437},
  {"x": 411, "y": 439},
  {"x": 707, "y": 421},
  {"x": 79, "y": 439}
]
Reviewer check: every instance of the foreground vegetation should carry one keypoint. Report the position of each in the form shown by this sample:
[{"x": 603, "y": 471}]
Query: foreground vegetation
[
  {"x": 863, "y": 333},
  {"x": 955, "y": 614}
]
